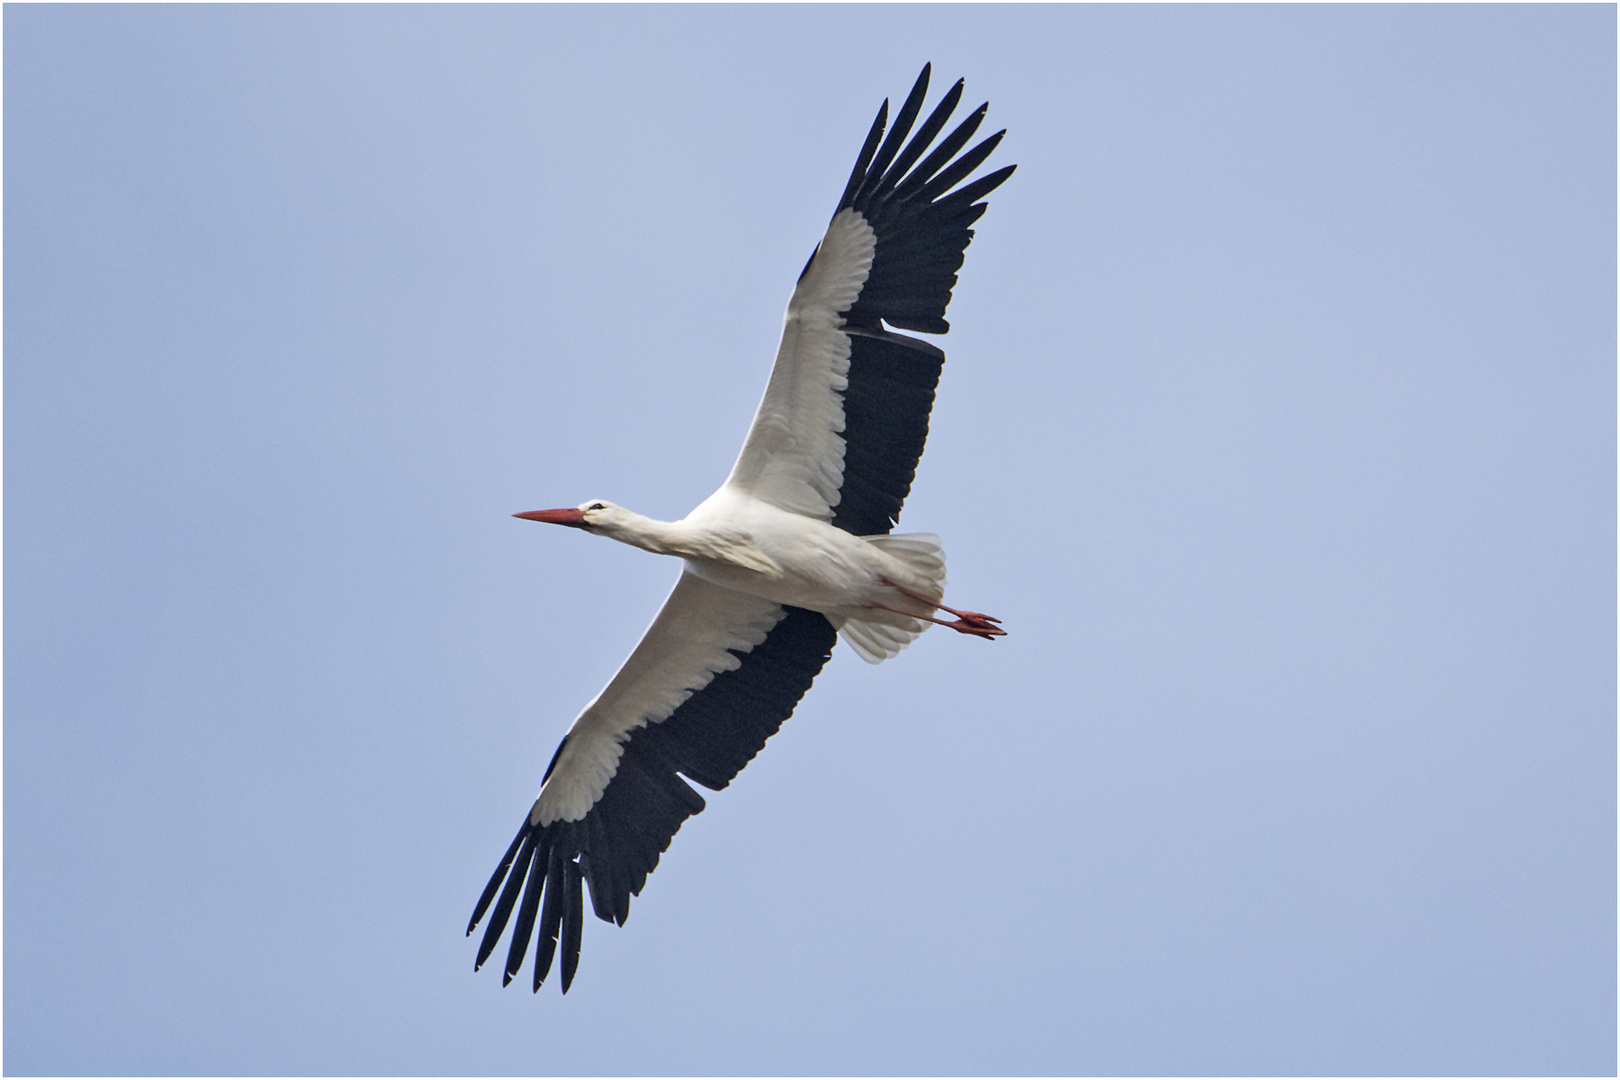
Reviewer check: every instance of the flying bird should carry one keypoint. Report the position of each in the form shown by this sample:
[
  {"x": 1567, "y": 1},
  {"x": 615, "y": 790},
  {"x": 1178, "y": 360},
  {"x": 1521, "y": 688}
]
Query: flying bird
[{"x": 793, "y": 551}]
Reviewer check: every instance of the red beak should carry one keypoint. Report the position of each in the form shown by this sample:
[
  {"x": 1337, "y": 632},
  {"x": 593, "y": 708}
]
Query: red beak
[{"x": 570, "y": 516}]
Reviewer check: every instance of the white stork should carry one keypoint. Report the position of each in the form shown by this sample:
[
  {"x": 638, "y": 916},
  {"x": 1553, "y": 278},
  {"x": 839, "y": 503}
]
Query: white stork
[{"x": 792, "y": 550}]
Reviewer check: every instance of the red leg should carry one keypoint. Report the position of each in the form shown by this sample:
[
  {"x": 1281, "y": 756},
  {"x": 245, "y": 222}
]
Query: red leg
[
  {"x": 977, "y": 625},
  {"x": 967, "y": 622}
]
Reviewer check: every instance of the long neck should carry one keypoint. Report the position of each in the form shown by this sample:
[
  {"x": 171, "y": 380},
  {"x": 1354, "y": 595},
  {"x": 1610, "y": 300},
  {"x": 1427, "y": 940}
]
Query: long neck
[
  {"x": 649, "y": 534},
  {"x": 688, "y": 540}
]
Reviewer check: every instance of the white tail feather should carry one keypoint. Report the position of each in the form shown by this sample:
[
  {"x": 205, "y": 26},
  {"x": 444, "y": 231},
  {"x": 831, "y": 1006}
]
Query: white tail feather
[{"x": 884, "y": 634}]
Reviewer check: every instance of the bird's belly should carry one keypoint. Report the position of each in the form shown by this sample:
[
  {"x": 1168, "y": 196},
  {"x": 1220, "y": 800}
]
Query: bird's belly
[
  {"x": 836, "y": 577},
  {"x": 816, "y": 592}
]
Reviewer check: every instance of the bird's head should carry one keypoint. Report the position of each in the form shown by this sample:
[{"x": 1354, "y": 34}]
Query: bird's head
[{"x": 590, "y": 516}]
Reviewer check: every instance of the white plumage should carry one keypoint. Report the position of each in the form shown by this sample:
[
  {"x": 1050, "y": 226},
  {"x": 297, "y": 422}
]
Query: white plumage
[
  {"x": 793, "y": 547},
  {"x": 793, "y": 457}
]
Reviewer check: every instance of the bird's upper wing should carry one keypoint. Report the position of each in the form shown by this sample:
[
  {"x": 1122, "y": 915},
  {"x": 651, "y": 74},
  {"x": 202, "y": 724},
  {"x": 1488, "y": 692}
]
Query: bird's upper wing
[
  {"x": 845, "y": 415},
  {"x": 714, "y": 677}
]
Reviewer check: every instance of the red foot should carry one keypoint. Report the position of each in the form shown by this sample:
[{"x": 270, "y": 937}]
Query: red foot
[
  {"x": 975, "y": 624},
  {"x": 967, "y": 622}
]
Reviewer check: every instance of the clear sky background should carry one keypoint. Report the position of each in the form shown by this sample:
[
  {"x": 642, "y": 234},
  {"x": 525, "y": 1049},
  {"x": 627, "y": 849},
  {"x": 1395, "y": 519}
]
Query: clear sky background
[{"x": 1278, "y": 425}]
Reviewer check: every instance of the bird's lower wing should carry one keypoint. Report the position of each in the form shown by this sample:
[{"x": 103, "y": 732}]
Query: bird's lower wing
[{"x": 713, "y": 678}]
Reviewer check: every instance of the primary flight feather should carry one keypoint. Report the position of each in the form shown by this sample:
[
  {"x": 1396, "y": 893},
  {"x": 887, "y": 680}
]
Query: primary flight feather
[{"x": 791, "y": 552}]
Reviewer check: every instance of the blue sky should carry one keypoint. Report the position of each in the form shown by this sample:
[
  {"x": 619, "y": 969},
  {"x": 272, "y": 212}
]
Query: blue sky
[{"x": 1278, "y": 425}]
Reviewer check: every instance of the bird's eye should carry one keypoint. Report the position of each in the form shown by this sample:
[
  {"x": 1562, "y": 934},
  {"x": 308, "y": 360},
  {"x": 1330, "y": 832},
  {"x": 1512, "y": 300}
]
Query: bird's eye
[{"x": 597, "y": 506}]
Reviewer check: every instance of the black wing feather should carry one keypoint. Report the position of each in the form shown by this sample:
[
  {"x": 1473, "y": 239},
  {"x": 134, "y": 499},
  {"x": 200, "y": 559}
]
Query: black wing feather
[
  {"x": 496, "y": 879},
  {"x": 908, "y": 187},
  {"x": 530, "y": 904},
  {"x": 551, "y": 913},
  {"x": 864, "y": 158},
  {"x": 961, "y": 197},
  {"x": 897, "y": 135},
  {"x": 925, "y": 134},
  {"x": 509, "y": 895},
  {"x": 573, "y": 927}
]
